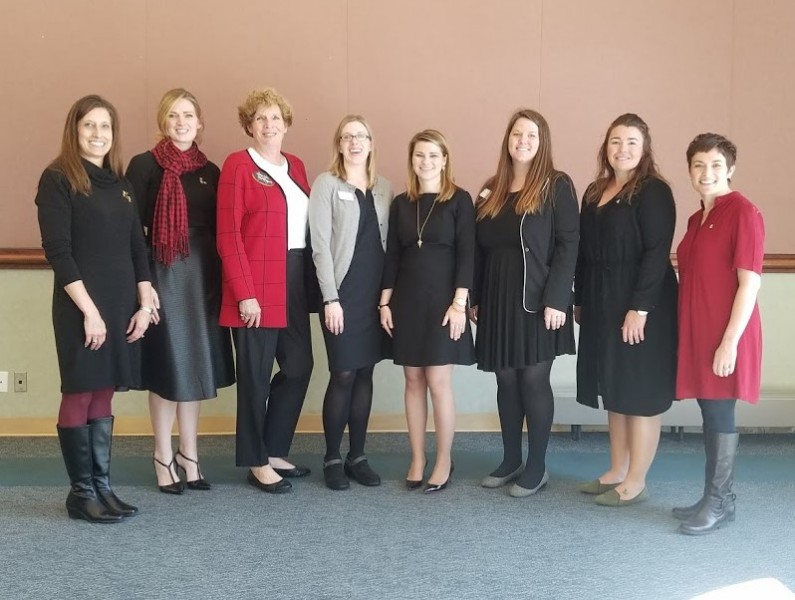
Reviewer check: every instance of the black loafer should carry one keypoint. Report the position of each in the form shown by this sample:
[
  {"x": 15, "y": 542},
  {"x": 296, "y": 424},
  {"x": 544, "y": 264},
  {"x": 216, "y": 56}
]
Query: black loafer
[
  {"x": 296, "y": 472},
  {"x": 280, "y": 487},
  {"x": 334, "y": 475},
  {"x": 359, "y": 470}
]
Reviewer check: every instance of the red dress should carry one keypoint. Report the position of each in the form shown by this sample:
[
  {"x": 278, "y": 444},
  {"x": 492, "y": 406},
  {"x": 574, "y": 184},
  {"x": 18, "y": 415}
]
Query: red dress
[{"x": 709, "y": 255}]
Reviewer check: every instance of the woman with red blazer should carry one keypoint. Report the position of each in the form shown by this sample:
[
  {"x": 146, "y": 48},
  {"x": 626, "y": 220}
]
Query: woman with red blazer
[{"x": 263, "y": 199}]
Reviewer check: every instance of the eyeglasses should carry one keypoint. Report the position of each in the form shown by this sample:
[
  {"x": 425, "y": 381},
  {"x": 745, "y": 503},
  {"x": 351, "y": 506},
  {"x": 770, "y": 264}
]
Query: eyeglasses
[{"x": 359, "y": 137}]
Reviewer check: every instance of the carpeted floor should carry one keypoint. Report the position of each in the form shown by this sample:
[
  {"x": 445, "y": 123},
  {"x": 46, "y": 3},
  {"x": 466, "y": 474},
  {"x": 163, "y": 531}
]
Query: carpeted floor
[{"x": 385, "y": 543}]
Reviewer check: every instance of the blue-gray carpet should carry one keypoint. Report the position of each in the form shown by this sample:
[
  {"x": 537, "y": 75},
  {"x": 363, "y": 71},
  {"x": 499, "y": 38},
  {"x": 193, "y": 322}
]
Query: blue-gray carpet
[{"x": 465, "y": 542}]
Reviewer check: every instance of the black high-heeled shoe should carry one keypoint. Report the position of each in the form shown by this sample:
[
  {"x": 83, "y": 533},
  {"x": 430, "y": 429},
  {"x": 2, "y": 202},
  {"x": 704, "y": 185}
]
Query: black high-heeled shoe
[
  {"x": 197, "y": 484},
  {"x": 413, "y": 484},
  {"x": 430, "y": 488},
  {"x": 176, "y": 486}
]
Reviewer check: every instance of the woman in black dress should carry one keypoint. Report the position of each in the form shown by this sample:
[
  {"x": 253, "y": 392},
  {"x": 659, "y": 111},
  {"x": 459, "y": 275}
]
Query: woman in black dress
[
  {"x": 188, "y": 357},
  {"x": 102, "y": 299},
  {"x": 427, "y": 277},
  {"x": 527, "y": 234},
  {"x": 348, "y": 219},
  {"x": 625, "y": 303}
]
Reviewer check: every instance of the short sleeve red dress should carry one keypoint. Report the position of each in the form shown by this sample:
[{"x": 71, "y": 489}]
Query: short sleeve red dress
[{"x": 709, "y": 255}]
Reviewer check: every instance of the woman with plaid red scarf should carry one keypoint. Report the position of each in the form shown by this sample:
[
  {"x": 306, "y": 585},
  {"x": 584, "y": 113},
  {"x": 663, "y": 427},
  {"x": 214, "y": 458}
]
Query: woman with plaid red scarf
[{"x": 188, "y": 357}]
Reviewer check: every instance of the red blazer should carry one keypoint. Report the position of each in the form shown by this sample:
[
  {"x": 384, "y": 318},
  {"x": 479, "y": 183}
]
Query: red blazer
[{"x": 252, "y": 238}]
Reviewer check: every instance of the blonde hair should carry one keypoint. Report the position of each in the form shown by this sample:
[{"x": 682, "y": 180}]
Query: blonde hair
[
  {"x": 448, "y": 186},
  {"x": 263, "y": 97},
  {"x": 538, "y": 181},
  {"x": 167, "y": 102},
  {"x": 69, "y": 162},
  {"x": 337, "y": 167}
]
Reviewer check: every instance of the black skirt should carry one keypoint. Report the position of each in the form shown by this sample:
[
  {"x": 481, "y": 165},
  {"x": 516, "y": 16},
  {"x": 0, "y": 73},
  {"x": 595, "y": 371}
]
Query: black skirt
[
  {"x": 187, "y": 356},
  {"x": 509, "y": 337}
]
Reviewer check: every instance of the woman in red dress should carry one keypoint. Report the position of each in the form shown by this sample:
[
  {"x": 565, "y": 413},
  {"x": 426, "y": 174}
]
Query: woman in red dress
[{"x": 720, "y": 332}]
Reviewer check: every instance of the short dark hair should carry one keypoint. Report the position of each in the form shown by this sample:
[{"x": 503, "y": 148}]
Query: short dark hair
[{"x": 704, "y": 142}]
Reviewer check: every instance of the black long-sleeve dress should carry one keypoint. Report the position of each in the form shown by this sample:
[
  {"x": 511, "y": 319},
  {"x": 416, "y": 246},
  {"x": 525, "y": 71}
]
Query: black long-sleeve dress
[
  {"x": 187, "y": 356},
  {"x": 424, "y": 278},
  {"x": 624, "y": 263},
  {"x": 96, "y": 239},
  {"x": 526, "y": 264}
]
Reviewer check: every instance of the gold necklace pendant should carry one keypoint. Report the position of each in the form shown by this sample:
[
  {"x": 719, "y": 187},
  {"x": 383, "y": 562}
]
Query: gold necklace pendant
[{"x": 421, "y": 229}]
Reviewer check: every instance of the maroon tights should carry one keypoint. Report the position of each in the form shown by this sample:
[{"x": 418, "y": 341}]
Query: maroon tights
[{"x": 80, "y": 408}]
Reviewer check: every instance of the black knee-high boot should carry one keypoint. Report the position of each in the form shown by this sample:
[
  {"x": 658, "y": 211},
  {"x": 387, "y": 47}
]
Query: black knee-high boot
[
  {"x": 101, "y": 443},
  {"x": 685, "y": 512},
  {"x": 82, "y": 501},
  {"x": 718, "y": 506}
]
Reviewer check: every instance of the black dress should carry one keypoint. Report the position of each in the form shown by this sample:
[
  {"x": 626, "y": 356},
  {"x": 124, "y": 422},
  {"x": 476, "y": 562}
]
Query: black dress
[
  {"x": 361, "y": 344},
  {"x": 424, "y": 279},
  {"x": 508, "y": 336},
  {"x": 624, "y": 263},
  {"x": 96, "y": 239},
  {"x": 187, "y": 356}
]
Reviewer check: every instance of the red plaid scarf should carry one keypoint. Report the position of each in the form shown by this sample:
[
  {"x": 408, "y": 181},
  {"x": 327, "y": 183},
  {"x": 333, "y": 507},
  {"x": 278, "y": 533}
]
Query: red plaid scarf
[{"x": 170, "y": 222}]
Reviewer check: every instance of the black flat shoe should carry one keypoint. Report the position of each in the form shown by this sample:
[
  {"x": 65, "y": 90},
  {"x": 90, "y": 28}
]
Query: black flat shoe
[
  {"x": 359, "y": 470},
  {"x": 430, "y": 488},
  {"x": 176, "y": 487},
  {"x": 296, "y": 472},
  {"x": 197, "y": 484},
  {"x": 280, "y": 487},
  {"x": 334, "y": 475}
]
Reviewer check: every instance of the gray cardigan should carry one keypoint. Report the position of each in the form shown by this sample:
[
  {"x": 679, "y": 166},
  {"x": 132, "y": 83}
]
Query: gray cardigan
[{"x": 333, "y": 224}]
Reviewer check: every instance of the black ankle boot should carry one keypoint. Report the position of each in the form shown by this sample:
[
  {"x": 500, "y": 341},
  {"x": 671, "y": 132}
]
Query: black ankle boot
[
  {"x": 101, "y": 442},
  {"x": 718, "y": 506},
  {"x": 82, "y": 501}
]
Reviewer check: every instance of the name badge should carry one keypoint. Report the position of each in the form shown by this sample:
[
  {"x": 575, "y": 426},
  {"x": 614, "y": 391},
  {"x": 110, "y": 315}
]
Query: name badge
[
  {"x": 262, "y": 178},
  {"x": 343, "y": 195},
  {"x": 485, "y": 193}
]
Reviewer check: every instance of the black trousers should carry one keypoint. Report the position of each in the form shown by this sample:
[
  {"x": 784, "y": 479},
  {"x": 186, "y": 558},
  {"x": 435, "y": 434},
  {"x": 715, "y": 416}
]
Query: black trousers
[{"x": 268, "y": 408}]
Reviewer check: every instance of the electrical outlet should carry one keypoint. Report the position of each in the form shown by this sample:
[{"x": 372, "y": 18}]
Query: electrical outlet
[
  {"x": 20, "y": 382},
  {"x": 3, "y": 381}
]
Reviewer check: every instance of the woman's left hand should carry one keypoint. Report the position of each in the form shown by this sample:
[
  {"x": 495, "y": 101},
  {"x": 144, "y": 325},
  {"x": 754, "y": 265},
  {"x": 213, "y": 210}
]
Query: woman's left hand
[
  {"x": 632, "y": 330},
  {"x": 725, "y": 359},
  {"x": 139, "y": 323},
  {"x": 457, "y": 319},
  {"x": 155, "y": 307},
  {"x": 553, "y": 318}
]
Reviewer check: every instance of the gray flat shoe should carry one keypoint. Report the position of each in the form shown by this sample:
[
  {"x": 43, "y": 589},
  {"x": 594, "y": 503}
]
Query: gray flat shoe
[
  {"x": 517, "y": 491},
  {"x": 492, "y": 482}
]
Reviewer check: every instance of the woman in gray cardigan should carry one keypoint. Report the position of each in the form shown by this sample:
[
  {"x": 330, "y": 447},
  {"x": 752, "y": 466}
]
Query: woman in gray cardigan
[{"x": 348, "y": 218}]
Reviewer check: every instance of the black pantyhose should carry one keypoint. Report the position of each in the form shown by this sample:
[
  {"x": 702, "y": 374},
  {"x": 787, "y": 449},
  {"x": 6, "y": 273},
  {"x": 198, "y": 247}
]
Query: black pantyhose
[{"x": 348, "y": 400}]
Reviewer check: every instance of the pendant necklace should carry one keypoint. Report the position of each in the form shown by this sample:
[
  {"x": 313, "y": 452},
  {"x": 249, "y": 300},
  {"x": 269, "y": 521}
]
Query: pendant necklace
[{"x": 424, "y": 223}]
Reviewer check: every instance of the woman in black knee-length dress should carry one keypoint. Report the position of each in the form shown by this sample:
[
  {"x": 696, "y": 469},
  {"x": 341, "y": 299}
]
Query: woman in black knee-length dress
[
  {"x": 348, "y": 219},
  {"x": 427, "y": 277},
  {"x": 188, "y": 357},
  {"x": 527, "y": 234},
  {"x": 102, "y": 299}
]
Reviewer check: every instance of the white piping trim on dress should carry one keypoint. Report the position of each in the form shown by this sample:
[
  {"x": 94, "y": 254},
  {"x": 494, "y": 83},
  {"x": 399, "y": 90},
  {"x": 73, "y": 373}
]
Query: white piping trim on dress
[{"x": 524, "y": 258}]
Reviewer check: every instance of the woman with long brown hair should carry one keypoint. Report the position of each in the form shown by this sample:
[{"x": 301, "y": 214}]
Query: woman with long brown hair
[
  {"x": 625, "y": 298},
  {"x": 188, "y": 357},
  {"x": 427, "y": 278},
  {"x": 527, "y": 233},
  {"x": 102, "y": 302}
]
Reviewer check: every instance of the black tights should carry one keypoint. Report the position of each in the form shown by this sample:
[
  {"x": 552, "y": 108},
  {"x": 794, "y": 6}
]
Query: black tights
[
  {"x": 348, "y": 399},
  {"x": 525, "y": 394},
  {"x": 718, "y": 415}
]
